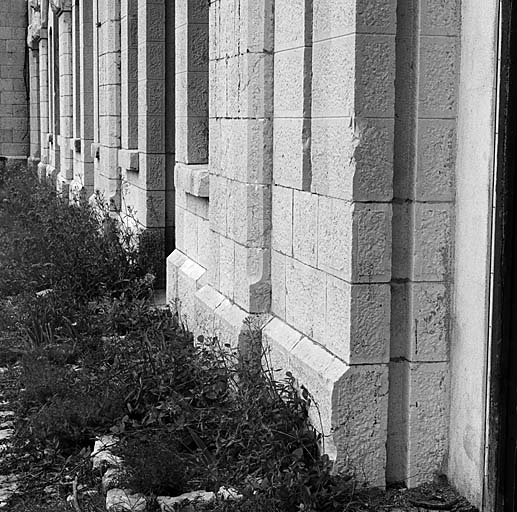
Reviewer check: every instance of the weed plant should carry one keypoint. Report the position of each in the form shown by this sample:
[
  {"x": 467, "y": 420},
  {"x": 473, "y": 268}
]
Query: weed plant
[{"x": 96, "y": 357}]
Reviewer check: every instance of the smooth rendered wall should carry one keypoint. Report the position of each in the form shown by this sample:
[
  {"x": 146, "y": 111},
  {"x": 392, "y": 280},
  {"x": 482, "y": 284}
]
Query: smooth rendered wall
[
  {"x": 476, "y": 114},
  {"x": 14, "y": 91}
]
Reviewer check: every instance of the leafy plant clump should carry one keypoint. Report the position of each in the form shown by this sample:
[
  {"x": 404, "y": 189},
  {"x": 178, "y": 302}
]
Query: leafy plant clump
[{"x": 96, "y": 357}]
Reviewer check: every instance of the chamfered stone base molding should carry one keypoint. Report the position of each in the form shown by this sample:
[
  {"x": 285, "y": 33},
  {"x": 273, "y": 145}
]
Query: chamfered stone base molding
[
  {"x": 350, "y": 403},
  {"x": 205, "y": 311}
]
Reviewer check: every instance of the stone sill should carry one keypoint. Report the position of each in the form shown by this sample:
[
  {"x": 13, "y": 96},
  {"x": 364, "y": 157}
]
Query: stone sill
[
  {"x": 128, "y": 159},
  {"x": 193, "y": 179}
]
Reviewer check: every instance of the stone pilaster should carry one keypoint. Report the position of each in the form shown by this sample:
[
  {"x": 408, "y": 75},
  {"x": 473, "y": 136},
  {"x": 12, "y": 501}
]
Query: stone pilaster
[
  {"x": 331, "y": 222},
  {"x": 129, "y": 72},
  {"x": 144, "y": 172},
  {"x": 107, "y": 179},
  {"x": 425, "y": 139},
  {"x": 85, "y": 123},
  {"x": 44, "y": 106},
  {"x": 33, "y": 38},
  {"x": 65, "y": 78}
]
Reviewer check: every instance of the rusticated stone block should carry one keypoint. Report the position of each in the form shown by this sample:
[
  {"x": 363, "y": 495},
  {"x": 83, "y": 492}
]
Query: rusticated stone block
[
  {"x": 372, "y": 235},
  {"x": 278, "y": 283},
  {"x": 151, "y": 172},
  {"x": 227, "y": 267},
  {"x": 191, "y": 278},
  {"x": 192, "y": 94},
  {"x": 440, "y": 18},
  {"x": 151, "y": 61},
  {"x": 191, "y": 235},
  {"x": 191, "y": 11},
  {"x": 438, "y": 77},
  {"x": 249, "y": 214},
  {"x": 420, "y": 321},
  {"x": 375, "y": 76},
  {"x": 252, "y": 285},
  {"x": 419, "y": 423},
  {"x": 258, "y": 152},
  {"x": 282, "y": 219},
  {"x": 174, "y": 263},
  {"x": 333, "y": 19},
  {"x": 358, "y": 321},
  {"x": 354, "y": 241},
  {"x": 293, "y": 27},
  {"x": 218, "y": 206},
  {"x": 193, "y": 179},
  {"x": 349, "y": 403},
  {"x": 353, "y": 158},
  {"x": 151, "y": 134},
  {"x": 256, "y": 30},
  {"x": 305, "y": 227},
  {"x": 204, "y": 245},
  {"x": 436, "y": 160},
  {"x": 292, "y": 86},
  {"x": 432, "y": 246},
  {"x": 151, "y": 97},
  {"x": 291, "y": 152},
  {"x": 250, "y": 85},
  {"x": 305, "y": 299},
  {"x": 333, "y": 82}
]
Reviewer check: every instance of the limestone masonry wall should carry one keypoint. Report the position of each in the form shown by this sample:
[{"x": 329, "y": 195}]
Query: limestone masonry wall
[
  {"x": 296, "y": 160},
  {"x": 14, "y": 80}
]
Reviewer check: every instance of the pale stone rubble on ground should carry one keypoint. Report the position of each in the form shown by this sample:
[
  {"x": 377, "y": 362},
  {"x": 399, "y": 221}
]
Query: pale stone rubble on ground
[
  {"x": 122, "y": 500},
  {"x": 8, "y": 483}
]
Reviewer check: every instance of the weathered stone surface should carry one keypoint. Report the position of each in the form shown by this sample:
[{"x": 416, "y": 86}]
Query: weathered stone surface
[
  {"x": 228, "y": 493},
  {"x": 112, "y": 478},
  {"x": 350, "y": 403},
  {"x": 8, "y": 486},
  {"x": 101, "y": 454},
  {"x": 120, "y": 500},
  {"x": 176, "y": 503}
]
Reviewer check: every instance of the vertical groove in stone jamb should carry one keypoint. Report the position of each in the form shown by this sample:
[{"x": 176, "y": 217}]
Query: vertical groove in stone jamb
[
  {"x": 129, "y": 72},
  {"x": 65, "y": 99},
  {"x": 86, "y": 65},
  {"x": 424, "y": 154},
  {"x": 307, "y": 107},
  {"x": 406, "y": 106},
  {"x": 44, "y": 114},
  {"x": 148, "y": 185}
]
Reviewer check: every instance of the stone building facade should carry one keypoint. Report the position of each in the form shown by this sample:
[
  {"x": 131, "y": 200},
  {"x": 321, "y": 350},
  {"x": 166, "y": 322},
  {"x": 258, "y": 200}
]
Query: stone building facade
[
  {"x": 320, "y": 172},
  {"x": 14, "y": 85}
]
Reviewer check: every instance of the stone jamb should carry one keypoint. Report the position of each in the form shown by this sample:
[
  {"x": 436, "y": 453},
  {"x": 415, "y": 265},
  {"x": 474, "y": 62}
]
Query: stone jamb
[{"x": 425, "y": 150}]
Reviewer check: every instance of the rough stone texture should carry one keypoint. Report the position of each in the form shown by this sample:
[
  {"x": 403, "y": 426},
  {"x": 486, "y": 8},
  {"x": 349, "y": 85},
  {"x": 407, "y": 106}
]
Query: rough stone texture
[
  {"x": 301, "y": 161},
  {"x": 350, "y": 403},
  {"x": 172, "y": 504},
  {"x": 101, "y": 454},
  {"x": 8, "y": 486},
  {"x": 120, "y": 500},
  {"x": 424, "y": 165},
  {"x": 112, "y": 478},
  {"x": 14, "y": 109}
]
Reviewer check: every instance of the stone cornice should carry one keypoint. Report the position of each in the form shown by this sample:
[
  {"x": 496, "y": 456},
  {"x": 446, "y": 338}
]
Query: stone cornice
[{"x": 58, "y": 6}]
